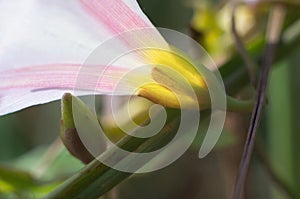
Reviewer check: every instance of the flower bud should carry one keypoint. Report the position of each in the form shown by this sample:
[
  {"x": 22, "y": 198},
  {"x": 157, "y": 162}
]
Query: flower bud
[{"x": 69, "y": 131}]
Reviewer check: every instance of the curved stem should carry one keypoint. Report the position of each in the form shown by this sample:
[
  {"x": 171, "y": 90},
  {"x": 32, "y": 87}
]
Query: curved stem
[
  {"x": 96, "y": 178},
  {"x": 236, "y": 105},
  {"x": 273, "y": 35},
  {"x": 235, "y": 78}
]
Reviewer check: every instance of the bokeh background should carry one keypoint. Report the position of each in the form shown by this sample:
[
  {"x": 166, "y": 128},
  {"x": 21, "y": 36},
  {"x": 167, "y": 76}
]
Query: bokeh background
[{"x": 28, "y": 139}]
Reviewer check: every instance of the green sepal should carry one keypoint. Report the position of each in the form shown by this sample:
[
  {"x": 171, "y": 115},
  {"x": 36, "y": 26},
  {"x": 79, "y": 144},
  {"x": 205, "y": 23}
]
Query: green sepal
[{"x": 69, "y": 132}]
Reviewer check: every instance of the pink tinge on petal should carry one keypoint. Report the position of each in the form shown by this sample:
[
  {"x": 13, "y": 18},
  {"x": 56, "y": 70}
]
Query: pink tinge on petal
[
  {"x": 34, "y": 85},
  {"x": 115, "y": 15},
  {"x": 99, "y": 79},
  {"x": 130, "y": 26}
]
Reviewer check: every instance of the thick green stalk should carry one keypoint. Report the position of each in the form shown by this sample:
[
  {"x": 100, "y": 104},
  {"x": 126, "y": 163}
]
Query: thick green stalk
[
  {"x": 93, "y": 179},
  {"x": 96, "y": 178}
]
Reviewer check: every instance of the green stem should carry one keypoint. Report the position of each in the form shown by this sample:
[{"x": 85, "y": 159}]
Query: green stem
[
  {"x": 92, "y": 180},
  {"x": 236, "y": 105},
  {"x": 96, "y": 178},
  {"x": 235, "y": 75}
]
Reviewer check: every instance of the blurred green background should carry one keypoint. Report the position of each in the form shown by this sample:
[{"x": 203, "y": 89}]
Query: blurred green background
[{"x": 26, "y": 136}]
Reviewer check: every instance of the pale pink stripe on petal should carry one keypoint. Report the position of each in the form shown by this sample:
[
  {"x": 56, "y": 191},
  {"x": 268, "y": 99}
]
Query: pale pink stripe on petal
[
  {"x": 62, "y": 31},
  {"x": 118, "y": 17},
  {"x": 39, "y": 32},
  {"x": 41, "y": 84},
  {"x": 115, "y": 15}
]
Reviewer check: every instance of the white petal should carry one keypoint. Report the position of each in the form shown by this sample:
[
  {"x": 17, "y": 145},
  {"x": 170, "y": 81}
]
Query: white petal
[
  {"x": 43, "y": 84},
  {"x": 41, "y": 33},
  {"x": 35, "y": 32}
]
